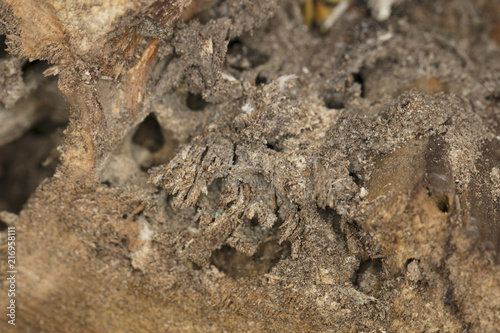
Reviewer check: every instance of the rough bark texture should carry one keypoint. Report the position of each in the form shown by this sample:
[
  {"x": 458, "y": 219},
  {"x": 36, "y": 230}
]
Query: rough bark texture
[{"x": 224, "y": 167}]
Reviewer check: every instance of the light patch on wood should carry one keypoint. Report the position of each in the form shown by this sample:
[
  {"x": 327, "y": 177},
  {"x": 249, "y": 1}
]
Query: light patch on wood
[{"x": 137, "y": 76}]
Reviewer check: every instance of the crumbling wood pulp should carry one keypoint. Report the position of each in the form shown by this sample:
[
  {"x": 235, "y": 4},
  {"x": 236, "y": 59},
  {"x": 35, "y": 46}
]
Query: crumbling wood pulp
[{"x": 227, "y": 168}]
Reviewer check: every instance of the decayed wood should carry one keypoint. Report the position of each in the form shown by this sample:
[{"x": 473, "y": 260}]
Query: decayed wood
[{"x": 266, "y": 203}]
